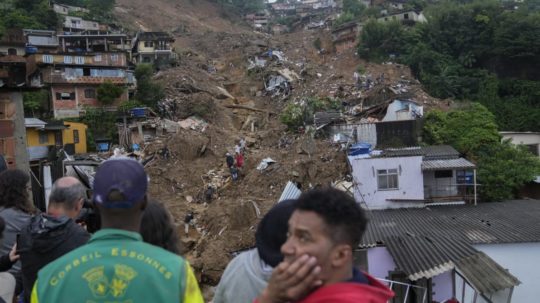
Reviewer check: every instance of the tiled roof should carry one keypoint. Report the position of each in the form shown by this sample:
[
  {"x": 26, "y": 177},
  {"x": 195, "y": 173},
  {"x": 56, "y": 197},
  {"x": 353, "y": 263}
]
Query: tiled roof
[
  {"x": 498, "y": 222},
  {"x": 459, "y": 163}
]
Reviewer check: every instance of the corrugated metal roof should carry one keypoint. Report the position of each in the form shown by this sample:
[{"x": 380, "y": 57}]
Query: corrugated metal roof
[
  {"x": 325, "y": 118},
  {"x": 459, "y": 163},
  {"x": 423, "y": 257},
  {"x": 439, "y": 152},
  {"x": 290, "y": 192},
  {"x": 34, "y": 122},
  {"x": 484, "y": 274},
  {"x": 417, "y": 257},
  {"x": 498, "y": 222},
  {"x": 435, "y": 152}
]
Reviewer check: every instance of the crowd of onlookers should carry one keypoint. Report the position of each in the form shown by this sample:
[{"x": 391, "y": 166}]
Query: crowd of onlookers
[{"x": 303, "y": 252}]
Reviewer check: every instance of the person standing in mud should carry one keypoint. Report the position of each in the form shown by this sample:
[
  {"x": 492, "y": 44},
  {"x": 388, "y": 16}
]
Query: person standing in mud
[{"x": 229, "y": 160}]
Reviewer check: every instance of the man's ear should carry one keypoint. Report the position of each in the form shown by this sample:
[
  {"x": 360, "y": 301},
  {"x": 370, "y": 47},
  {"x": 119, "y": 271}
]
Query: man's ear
[
  {"x": 341, "y": 255},
  {"x": 79, "y": 205}
]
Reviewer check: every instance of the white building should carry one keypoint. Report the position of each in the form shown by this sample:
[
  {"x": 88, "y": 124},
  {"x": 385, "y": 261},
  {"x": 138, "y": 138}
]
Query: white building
[
  {"x": 412, "y": 16},
  {"x": 484, "y": 253},
  {"x": 529, "y": 139},
  {"x": 412, "y": 177}
]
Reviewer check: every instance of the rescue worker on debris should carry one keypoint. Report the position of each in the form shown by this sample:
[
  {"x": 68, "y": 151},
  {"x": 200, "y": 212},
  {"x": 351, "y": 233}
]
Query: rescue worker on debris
[
  {"x": 116, "y": 265},
  {"x": 318, "y": 267}
]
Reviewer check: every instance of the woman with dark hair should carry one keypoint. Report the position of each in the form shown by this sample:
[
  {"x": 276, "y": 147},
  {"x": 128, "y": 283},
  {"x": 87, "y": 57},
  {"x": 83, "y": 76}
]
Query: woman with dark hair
[
  {"x": 15, "y": 209},
  {"x": 7, "y": 281},
  {"x": 157, "y": 227}
]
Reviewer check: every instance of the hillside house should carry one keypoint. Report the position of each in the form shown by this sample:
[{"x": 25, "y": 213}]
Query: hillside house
[
  {"x": 13, "y": 42},
  {"x": 74, "y": 24},
  {"x": 463, "y": 251},
  {"x": 404, "y": 16},
  {"x": 532, "y": 141},
  {"x": 283, "y": 9},
  {"x": 42, "y": 41},
  {"x": 153, "y": 47},
  {"x": 64, "y": 9},
  {"x": 413, "y": 177},
  {"x": 345, "y": 36},
  {"x": 73, "y": 79},
  {"x": 42, "y": 136},
  {"x": 258, "y": 21}
]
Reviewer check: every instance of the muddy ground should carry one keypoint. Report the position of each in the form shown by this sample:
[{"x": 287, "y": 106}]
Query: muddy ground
[{"x": 212, "y": 81}]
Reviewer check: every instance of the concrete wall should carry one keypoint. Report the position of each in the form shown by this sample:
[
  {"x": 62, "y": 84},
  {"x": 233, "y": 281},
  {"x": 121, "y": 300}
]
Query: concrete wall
[
  {"x": 523, "y": 138},
  {"x": 521, "y": 259},
  {"x": 380, "y": 262},
  {"x": 68, "y": 135},
  {"x": 442, "y": 286},
  {"x": 439, "y": 187},
  {"x": 410, "y": 181},
  {"x": 71, "y": 108},
  {"x": 32, "y": 137},
  {"x": 13, "y": 131}
]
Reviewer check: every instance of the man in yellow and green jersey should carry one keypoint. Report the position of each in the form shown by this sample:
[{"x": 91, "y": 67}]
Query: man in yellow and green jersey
[{"x": 116, "y": 266}]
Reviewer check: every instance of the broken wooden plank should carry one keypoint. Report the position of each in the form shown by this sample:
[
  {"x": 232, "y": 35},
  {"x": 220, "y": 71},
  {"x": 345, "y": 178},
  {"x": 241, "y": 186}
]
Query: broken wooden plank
[{"x": 250, "y": 108}]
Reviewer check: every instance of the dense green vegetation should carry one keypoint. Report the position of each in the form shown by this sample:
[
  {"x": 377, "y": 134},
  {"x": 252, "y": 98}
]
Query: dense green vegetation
[
  {"x": 148, "y": 92},
  {"x": 478, "y": 51},
  {"x": 37, "y": 14},
  {"x": 107, "y": 92},
  {"x": 502, "y": 167}
]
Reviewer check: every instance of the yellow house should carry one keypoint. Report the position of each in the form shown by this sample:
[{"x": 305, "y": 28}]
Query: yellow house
[
  {"x": 75, "y": 133},
  {"x": 41, "y": 136}
]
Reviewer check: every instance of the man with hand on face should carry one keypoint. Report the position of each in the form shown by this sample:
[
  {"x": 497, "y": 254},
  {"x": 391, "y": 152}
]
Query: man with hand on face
[{"x": 318, "y": 267}]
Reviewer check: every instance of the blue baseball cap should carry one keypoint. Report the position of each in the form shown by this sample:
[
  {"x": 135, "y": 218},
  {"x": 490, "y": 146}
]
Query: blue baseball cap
[{"x": 124, "y": 175}]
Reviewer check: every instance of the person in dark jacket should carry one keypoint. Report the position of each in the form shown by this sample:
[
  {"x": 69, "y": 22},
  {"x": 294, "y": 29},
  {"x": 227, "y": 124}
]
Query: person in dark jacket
[
  {"x": 7, "y": 280},
  {"x": 229, "y": 159},
  {"x": 50, "y": 236}
]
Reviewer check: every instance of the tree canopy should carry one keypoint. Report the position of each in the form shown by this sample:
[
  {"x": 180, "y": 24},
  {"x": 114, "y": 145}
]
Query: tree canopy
[
  {"x": 502, "y": 168},
  {"x": 478, "y": 51}
]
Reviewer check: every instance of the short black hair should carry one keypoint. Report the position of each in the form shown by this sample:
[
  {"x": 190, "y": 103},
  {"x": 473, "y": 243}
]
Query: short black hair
[{"x": 344, "y": 217}]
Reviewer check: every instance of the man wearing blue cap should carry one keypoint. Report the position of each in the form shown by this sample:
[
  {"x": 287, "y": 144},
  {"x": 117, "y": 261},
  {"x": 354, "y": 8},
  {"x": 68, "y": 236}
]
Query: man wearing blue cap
[{"x": 116, "y": 265}]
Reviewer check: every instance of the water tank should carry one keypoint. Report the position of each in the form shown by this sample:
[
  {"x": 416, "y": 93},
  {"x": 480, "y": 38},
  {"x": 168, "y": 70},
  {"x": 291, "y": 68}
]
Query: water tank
[
  {"x": 359, "y": 149},
  {"x": 30, "y": 49}
]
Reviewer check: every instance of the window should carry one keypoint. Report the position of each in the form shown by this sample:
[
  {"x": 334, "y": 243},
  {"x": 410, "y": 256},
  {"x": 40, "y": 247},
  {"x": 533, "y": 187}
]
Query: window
[
  {"x": 387, "y": 179},
  {"x": 97, "y": 58},
  {"x": 90, "y": 93},
  {"x": 406, "y": 16},
  {"x": 148, "y": 44},
  {"x": 48, "y": 59},
  {"x": 65, "y": 96},
  {"x": 79, "y": 60},
  {"x": 439, "y": 174},
  {"x": 114, "y": 57},
  {"x": 76, "y": 136},
  {"x": 43, "y": 138},
  {"x": 68, "y": 59}
]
